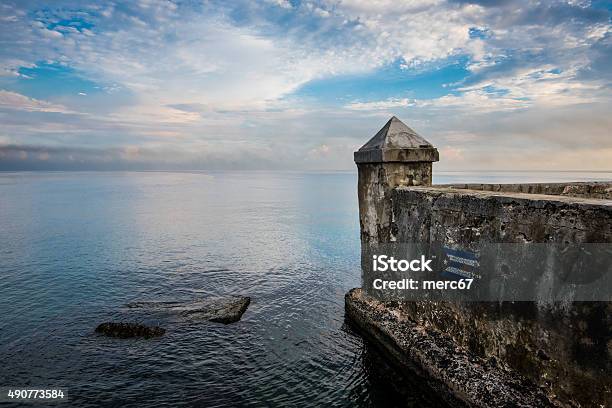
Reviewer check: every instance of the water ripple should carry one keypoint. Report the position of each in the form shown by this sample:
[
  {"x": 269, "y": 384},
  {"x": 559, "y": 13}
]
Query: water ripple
[{"x": 74, "y": 248}]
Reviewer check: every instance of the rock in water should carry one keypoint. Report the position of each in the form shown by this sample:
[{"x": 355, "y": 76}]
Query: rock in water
[
  {"x": 231, "y": 312},
  {"x": 126, "y": 330},
  {"x": 225, "y": 310}
]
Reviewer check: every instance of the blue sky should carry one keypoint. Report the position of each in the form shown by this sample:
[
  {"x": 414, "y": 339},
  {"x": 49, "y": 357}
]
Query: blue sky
[{"x": 286, "y": 84}]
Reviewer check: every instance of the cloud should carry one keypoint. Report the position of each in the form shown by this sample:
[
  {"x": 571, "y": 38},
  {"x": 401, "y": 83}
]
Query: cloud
[
  {"x": 14, "y": 101},
  {"x": 473, "y": 101},
  {"x": 381, "y": 105},
  {"x": 176, "y": 55},
  {"x": 217, "y": 83},
  {"x": 319, "y": 151},
  {"x": 477, "y": 102},
  {"x": 281, "y": 3},
  {"x": 33, "y": 157}
]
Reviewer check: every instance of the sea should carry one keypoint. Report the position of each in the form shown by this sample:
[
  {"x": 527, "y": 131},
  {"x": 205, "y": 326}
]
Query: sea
[{"x": 75, "y": 247}]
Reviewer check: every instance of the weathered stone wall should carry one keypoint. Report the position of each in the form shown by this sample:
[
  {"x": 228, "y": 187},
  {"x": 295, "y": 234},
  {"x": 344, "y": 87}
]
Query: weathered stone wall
[
  {"x": 376, "y": 182},
  {"x": 558, "y": 353},
  {"x": 455, "y": 374},
  {"x": 467, "y": 216},
  {"x": 602, "y": 190},
  {"x": 565, "y": 349}
]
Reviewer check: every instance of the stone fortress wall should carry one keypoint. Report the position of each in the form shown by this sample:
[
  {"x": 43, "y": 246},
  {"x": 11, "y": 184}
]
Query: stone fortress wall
[
  {"x": 591, "y": 189},
  {"x": 486, "y": 353}
]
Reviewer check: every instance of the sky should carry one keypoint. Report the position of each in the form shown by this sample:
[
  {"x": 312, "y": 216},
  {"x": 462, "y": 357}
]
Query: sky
[{"x": 300, "y": 85}]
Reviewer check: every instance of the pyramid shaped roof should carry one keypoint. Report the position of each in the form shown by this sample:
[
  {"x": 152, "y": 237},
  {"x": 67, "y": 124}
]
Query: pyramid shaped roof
[{"x": 396, "y": 142}]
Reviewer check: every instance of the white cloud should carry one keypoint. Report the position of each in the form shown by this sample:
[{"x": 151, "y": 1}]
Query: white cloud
[
  {"x": 282, "y": 3},
  {"x": 208, "y": 61},
  {"x": 321, "y": 150},
  {"x": 417, "y": 31},
  {"x": 473, "y": 101},
  {"x": 381, "y": 105},
  {"x": 321, "y": 12},
  {"x": 14, "y": 101},
  {"x": 476, "y": 102},
  {"x": 198, "y": 82},
  {"x": 51, "y": 34},
  {"x": 544, "y": 86}
]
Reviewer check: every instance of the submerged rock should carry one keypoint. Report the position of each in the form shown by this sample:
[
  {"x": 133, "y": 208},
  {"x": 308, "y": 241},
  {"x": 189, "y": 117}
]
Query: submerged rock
[
  {"x": 126, "y": 330},
  {"x": 225, "y": 310},
  {"x": 231, "y": 312}
]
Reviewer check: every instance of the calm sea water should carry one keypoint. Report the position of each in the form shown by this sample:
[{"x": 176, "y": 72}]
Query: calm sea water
[{"x": 75, "y": 247}]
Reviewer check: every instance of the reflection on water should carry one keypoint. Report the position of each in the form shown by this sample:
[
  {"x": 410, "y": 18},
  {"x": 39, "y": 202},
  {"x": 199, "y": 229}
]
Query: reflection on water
[{"x": 74, "y": 247}]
